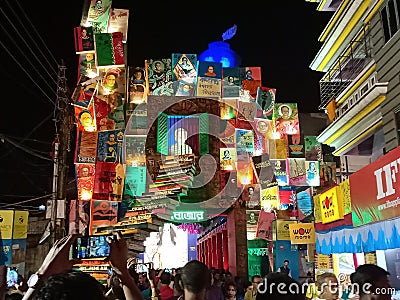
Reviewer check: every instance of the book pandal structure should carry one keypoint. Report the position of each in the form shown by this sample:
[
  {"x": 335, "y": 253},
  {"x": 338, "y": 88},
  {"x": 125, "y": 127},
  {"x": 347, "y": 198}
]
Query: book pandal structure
[{"x": 180, "y": 139}]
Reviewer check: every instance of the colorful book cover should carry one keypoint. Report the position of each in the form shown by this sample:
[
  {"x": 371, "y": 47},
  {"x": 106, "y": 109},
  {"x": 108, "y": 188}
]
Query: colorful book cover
[
  {"x": 313, "y": 148},
  {"x": 251, "y": 194},
  {"x": 297, "y": 171},
  {"x": 246, "y": 111},
  {"x": 184, "y": 67},
  {"x": 296, "y": 145},
  {"x": 264, "y": 173},
  {"x": 227, "y": 134},
  {"x": 227, "y": 159},
  {"x": 305, "y": 203},
  {"x": 277, "y": 148},
  {"x": 244, "y": 143},
  {"x": 137, "y": 123},
  {"x": 159, "y": 74},
  {"x": 119, "y": 19},
  {"x": 98, "y": 15},
  {"x": 280, "y": 171},
  {"x": 85, "y": 117},
  {"x": 250, "y": 78},
  {"x": 135, "y": 147},
  {"x": 84, "y": 41},
  {"x": 231, "y": 82},
  {"x": 109, "y": 49},
  {"x": 264, "y": 225},
  {"x": 228, "y": 109},
  {"x": 109, "y": 181},
  {"x": 87, "y": 65},
  {"x": 312, "y": 169},
  {"x": 209, "y": 69},
  {"x": 85, "y": 181},
  {"x": 184, "y": 88},
  {"x": 286, "y": 118},
  {"x": 269, "y": 198},
  {"x": 244, "y": 173},
  {"x": 102, "y": 108},
  {"x": 265, "y": 102},
  {"x": 79, "y": 217},
  {"x": 103, "y": 214},
  {"x": 262, "y": 132},
  {"x": 135, "y": 181},
  {"x": 208, "y": 87},
  {"x": 137, "y": 85},
  {"x": 109, "y": 146},
  {"x": 86, "y": 147}
]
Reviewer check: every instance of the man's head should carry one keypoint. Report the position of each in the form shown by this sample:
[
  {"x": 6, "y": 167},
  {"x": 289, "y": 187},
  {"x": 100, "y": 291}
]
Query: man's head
[
  {"x": 285, "y": 111},
  {"x": 328, "y": 286},
  {"x": 196, "y": 277},
  {"x": 73, "y": 285},
  {"x": 285, "y": 262},
  {"x": 256, "y": 280},
  {"x": 210, "y": 69},
  {"x": 85, "y": 118},
  {"x": 372, "y": 282},
  {"x": 89, "y": 56}
]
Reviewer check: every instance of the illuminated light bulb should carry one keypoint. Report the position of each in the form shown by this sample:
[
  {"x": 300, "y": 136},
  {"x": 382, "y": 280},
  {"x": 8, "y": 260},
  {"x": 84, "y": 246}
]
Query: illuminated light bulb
[
  {"x": 276, "y": 135},
  {"x": 86, "y": 195}
]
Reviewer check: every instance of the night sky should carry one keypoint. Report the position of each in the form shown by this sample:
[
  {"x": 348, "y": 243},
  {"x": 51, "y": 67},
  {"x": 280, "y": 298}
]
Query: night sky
[{"x": 281, "y": 37}]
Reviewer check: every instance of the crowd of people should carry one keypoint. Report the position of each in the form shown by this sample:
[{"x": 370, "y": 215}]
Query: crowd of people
[{"x": 56, "y": 280}]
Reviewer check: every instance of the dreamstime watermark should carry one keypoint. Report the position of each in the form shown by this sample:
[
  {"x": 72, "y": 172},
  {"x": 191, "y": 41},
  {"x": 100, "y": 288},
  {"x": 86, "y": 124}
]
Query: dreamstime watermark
[{"x": 331, "y": 287}]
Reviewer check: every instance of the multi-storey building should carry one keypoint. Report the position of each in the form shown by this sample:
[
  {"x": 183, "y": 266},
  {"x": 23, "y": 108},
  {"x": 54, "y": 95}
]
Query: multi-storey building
[{"x": 360, "y": 88}]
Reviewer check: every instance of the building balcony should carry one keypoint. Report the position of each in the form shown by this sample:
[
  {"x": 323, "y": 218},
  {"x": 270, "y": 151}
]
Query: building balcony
[
  {"x": 358, "y": 115},
  {"x": 347, "y": 67}
]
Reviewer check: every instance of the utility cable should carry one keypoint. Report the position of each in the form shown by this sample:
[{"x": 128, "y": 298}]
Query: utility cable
[
  {"x": 19, "y": 64},
  {"x": 28, "y": 135},
  {"x": 17, "y": 145},
  {"x": 34, "y": 29},
  {"x": 29, "y": 200}
]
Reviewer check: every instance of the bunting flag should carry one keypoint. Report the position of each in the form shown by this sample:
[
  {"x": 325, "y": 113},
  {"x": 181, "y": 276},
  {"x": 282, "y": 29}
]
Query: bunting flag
[
  {"x": 86, "y": 147},
  {"x": 83, "y": 37},
  {"x": 85, "y": 181},
  {"x": 98, "y": 15},
  {"x": 85, "y": 116},
  {"x": 119, "y": 22},
  {"x": 109, "y": 49}
]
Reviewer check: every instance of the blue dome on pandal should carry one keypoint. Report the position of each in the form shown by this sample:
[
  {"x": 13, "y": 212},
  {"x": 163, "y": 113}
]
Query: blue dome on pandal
[{"x": 220, "y": 52}]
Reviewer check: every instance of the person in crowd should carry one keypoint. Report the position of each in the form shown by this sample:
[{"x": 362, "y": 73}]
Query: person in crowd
[
  {"x": 285, "y": 268},
  {"x": 195, "y": 279},
  {"x": 56, "y": 280},
  {"x": 372, "y": 282},
  {"x": 251, "y": 294},
  {"x": 279, "y": 286},
  {"x": 328, "y": 287},
  {"x": 214, "y": 291},
  {"x": 231, "y": 291},
  {"x": 240, "y": 288},
  {"x": 166, "y": 292},
  {"x": 144, "y": 286}
]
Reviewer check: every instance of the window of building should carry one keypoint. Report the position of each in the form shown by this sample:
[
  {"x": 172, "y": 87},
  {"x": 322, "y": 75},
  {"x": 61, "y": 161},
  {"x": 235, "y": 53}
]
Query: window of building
[{"x": 390, "y": 18}]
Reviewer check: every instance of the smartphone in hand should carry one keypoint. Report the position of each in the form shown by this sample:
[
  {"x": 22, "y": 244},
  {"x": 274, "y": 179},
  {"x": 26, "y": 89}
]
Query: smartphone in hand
[{"x": 91, "y": 247}]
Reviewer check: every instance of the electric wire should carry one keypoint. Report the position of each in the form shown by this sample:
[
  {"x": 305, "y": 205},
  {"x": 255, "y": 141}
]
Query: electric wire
[
  {"x": 29, "y": 200},
  {"x": 30, "y": 77},
  {"x": 26, "y": 136},
  {"x": 30, "y": 48},
  {"x": 34, "y": 29}
]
